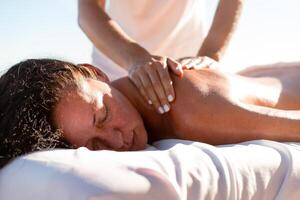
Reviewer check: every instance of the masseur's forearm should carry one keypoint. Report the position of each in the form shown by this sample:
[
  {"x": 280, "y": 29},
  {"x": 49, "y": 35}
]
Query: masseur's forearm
[
  {"x": 106, "y": 35},
  {"x": 222, "y": 29}
]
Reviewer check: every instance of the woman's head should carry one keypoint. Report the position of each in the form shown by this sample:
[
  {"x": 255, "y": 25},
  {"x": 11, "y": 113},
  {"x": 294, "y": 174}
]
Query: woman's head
[
  {"x": 98, "y": 116},
  {"x": 33, "y": 92}
]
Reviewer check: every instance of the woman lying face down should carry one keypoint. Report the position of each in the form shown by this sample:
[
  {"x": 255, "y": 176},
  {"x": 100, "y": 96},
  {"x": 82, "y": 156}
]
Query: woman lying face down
[{"x": 48, "y": 104}]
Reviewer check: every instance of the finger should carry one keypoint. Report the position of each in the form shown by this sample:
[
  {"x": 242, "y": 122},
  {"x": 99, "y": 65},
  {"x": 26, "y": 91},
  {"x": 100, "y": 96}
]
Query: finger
[
  {"x": 189, "y": 63},
  {"x": 183, "y": 64},
  {"x": 194, "y": 62},
  {"x": 211, "y": 63},
  {"x": 146, "y": 82},
  {"x": 167, "y": 83},
  {"x": 157, "y": 84},
  {"x": 185, "y": 61},
  {"x": 214, "y": 65},
  {"x": 134, "y": 77},
  {"x": 175, "y": 66},
  {"x": 205, "y": 62},
  {"x": 137, "y": 82}
]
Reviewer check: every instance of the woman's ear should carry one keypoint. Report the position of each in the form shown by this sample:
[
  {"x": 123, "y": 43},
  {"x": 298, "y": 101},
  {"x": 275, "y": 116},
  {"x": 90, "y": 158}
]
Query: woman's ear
[{"x": 100, "y": 74}]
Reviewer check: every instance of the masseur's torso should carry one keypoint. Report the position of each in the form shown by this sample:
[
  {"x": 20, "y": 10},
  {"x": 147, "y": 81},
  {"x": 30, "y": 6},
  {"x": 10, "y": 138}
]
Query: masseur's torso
[{"x": 163, "y": 27}]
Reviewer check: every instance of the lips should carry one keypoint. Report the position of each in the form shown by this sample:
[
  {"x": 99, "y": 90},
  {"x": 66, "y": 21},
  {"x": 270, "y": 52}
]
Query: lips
[
  {"x": 129, "y": 143},
  {"x": 133, "y": 140}
]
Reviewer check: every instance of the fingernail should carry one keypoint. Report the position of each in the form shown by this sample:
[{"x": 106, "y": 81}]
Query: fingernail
[
  {"x": 166, "y": 108},
  {"x": 170, "y": 98},
  {"x": 161, "y": 110},
  {"x": 150, "y": 102}
]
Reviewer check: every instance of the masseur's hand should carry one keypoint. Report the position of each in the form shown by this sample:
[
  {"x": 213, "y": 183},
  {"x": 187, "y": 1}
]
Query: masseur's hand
[
  {"x": 198, "y": 62},
  {"x": 151, "y": 76}
]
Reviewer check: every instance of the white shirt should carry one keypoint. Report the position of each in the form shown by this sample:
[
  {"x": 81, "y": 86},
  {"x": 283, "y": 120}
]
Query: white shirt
[{"x": 163, "y": 27}]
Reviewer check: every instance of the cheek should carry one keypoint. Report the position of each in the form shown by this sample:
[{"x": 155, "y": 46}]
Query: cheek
[
  {"x": 125, "y": 111},
  {"x": 74, "y": 126},
  {"x": 73, "y": 133}
]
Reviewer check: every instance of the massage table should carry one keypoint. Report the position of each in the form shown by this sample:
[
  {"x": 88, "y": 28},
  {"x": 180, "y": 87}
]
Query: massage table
[{"x": 168, "y": 169}]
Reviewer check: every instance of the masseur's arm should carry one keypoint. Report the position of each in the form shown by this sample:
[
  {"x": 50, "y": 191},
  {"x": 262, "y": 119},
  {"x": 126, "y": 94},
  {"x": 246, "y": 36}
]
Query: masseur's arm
[
  {"x": 148, "y": 72},
  {"x": 214, "y": 46},
  {"x": 223, "y": 26}
]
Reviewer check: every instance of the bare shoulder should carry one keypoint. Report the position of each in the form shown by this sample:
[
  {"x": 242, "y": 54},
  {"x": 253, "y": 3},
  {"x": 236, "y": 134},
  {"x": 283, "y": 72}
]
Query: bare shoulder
[
  {"x": 201, "y": 76},
  {"x": 202, "y": 81}
]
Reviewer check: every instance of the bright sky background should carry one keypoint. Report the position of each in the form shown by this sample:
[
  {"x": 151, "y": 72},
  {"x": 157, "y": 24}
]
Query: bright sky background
[{"x": 269, "y": 31}]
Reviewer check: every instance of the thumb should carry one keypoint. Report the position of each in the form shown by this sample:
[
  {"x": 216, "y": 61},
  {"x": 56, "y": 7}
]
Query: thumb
[{"x": 175, "y": 66}]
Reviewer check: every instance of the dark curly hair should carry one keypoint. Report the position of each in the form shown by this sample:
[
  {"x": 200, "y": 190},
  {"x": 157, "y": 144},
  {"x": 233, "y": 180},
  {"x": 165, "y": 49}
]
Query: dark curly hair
[{"x": 29, "y": 91}]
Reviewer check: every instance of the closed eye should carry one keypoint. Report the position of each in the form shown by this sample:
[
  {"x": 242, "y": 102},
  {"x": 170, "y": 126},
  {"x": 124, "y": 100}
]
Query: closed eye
[{"x": 100, "y": 117}]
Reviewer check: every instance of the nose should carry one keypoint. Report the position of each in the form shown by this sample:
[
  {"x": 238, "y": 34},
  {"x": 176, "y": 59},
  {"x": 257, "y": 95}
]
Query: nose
[{"x": 113, "y": 138}]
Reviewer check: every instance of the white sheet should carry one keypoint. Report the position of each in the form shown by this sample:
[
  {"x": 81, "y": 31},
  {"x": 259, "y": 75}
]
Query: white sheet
[{"x": 171, "y": 169}]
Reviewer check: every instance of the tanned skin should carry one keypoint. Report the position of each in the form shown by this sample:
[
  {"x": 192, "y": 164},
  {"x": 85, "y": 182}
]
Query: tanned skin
[{"x": 218, "y": 108}]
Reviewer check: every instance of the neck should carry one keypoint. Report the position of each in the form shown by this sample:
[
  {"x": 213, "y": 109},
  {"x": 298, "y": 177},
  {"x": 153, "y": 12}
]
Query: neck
[
  {"x": 125, "y": 86},
  {"x": 152, "y": 120}
]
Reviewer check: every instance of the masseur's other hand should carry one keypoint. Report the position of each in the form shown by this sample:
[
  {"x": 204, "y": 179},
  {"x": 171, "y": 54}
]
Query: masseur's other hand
[
  {"x": 151, "y": 76},
  {"x": 198, "y": 62}
]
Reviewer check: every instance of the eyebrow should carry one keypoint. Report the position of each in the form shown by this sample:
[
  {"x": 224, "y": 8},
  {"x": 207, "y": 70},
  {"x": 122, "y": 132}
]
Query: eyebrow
[
  {"x": 94, "y": 118},
  {"x": 106, "y": 110}
]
